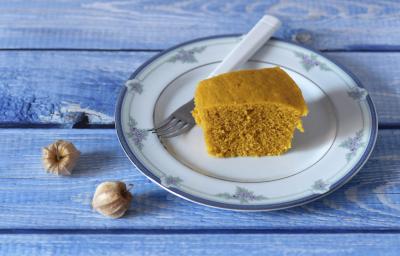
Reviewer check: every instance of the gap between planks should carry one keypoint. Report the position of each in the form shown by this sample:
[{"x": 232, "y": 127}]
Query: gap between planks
[
  {"x": 82, "y": 50},
  {"x": 197, "y": 231}
]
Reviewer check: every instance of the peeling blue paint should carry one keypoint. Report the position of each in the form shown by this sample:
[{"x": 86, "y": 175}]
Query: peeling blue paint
[{"x": 57, "y": 87}]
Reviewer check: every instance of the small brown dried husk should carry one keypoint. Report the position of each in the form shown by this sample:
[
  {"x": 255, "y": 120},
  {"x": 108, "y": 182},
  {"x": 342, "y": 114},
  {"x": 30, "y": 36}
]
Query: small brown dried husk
[
  {"x": 112, "y": 199},
  {"x": 60, "y": 157}
]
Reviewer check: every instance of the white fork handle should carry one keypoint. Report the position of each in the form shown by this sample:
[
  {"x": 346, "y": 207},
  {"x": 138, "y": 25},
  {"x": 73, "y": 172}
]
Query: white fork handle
[{"x": 251, "y": 42}]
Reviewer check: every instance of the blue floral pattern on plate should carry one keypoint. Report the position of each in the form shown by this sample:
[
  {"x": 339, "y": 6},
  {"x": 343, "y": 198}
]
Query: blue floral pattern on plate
[
  {"x": 134, "y": 85},
  {"x": 186, "y": 56},
  {"x": 353, "y": 144},
  {"x": 135, "y": 134},
  {"x": 357, "y": 93},
  {"x": 320, "y": 187},
  {"x": 171, "y": 181},
  {"x": 309, "y": 61},
  {"x": 243, "y": 195}
]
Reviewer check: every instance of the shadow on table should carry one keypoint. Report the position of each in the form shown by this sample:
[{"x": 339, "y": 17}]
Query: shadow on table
[
  {"x": 149, "y": 202},
  {"x": 95, "y": 163}
]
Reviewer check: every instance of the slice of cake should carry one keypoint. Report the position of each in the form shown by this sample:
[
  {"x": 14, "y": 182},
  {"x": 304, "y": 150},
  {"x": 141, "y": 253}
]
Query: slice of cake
[{"x": 249, "y": 112}]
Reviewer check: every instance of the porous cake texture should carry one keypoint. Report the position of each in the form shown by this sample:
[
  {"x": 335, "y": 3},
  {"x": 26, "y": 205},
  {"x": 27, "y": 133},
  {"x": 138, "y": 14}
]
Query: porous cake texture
[{"x": 249, "y": 112}]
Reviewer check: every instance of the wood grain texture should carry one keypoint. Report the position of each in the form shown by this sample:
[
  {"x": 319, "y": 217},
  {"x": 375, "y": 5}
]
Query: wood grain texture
[
  {"x": 195, "y": 244},
  {"x": 62, "y": 87},
  {"x": 157, "y": 24},
  {"x": 30, "y": 198}
]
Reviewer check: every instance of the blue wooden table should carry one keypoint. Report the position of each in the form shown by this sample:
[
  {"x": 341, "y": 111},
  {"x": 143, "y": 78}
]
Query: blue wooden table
[{"x": 61, "y": 67}]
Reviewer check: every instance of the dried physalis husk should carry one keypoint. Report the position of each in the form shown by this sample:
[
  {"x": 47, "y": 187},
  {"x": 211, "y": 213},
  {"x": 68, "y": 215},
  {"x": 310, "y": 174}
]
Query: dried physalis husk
[
  {"x": 112, "y": 198},
  {"x": 60, "y": 157}
]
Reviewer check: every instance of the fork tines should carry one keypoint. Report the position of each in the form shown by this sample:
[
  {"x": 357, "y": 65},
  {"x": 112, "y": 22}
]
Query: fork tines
[{"x": 171, "y": 127}]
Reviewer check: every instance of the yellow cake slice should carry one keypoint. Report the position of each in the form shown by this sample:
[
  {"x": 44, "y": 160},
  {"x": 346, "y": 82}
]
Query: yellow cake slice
[{"x": 249, "y": 112}]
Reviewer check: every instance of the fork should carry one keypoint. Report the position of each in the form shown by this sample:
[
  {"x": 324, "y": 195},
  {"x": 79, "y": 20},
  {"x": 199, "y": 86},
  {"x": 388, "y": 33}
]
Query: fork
[{"x": 181, "y": 120}]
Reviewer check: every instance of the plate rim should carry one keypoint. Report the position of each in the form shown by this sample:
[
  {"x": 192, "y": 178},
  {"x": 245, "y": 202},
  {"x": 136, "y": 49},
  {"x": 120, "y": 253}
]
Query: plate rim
[{"x": 227, "y": 206}]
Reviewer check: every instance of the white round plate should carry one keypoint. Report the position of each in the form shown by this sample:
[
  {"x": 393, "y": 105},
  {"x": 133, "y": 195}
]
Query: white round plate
[{"x": 340, "y": 129}]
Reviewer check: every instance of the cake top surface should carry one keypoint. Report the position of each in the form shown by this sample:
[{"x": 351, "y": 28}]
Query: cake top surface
[{"x": 250, "y": 86}]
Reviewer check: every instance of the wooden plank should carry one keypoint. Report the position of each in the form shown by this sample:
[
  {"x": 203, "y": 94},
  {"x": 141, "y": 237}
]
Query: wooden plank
[
  {"x": 159, "y": 24},
  {"x": 200, "y": 244},
  {"x": 30, "y": 198},
  {"x": 61, "y": 86},
  {"x": 58, "y": 87}
]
